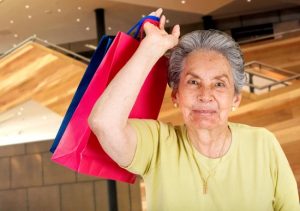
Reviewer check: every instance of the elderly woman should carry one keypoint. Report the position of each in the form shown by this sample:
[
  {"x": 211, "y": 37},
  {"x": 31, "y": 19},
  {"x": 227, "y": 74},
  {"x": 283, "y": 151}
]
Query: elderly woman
[{"x": 208, "y": 163}]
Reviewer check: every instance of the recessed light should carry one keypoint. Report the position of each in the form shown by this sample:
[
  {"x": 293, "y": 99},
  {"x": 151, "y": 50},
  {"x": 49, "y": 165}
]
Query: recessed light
[
  {"x": 58, "y": 10},
  {"x": 79, "y": 8},
  {"x": 16, "y": 35},
  {"x": 167, "y": 21},
  {"x": 248, "y": 0},
  {"x": 1, "y": 1},
  {"x": 27, "y": 6},
  {"x": 46, "y": 41},
  {"x": 29, "y": 16},
  {"x": 78, "y": 19},
  {"x": 11, "y": 21},
  {"x": 88, "y": 28},
  {"x": 19, "y": 113},
  {"x": 109, "y": 28},
  {"x": 183, "y": 1}
]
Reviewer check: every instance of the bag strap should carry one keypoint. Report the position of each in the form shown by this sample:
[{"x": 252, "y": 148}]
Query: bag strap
[{"x": 138, "y": 28}]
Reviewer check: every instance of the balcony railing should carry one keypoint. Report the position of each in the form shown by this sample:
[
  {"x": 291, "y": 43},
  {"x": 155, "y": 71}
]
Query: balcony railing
[
  {"x": 48, "y": 45},
  {"x": 261, "y": 76}
]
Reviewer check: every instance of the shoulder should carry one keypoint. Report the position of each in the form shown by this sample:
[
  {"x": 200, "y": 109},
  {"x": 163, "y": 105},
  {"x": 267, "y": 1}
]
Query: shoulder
[
  {"x": 154, "y": 128},
  {"x": 151, "y": 124},
  {"x": 251, "y": 131},
  {"x": 257, "y": 137}
]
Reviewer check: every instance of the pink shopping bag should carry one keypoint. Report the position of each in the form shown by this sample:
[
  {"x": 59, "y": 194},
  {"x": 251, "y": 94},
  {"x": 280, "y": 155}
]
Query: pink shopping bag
[{"x": 79, "y": 148}]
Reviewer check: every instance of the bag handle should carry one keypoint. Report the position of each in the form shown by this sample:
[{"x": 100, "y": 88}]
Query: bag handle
[{"x": 138, "y": 28}]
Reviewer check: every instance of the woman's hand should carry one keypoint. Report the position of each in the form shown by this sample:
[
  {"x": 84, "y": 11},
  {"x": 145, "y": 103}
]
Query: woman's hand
[{"x": 157, "y": 40}]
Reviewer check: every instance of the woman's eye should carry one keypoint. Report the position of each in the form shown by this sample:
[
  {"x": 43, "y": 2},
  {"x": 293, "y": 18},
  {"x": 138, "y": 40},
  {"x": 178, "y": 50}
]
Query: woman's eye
[
  {"x": 220, "y": 84},
  {"x": 193, "y": 82}
]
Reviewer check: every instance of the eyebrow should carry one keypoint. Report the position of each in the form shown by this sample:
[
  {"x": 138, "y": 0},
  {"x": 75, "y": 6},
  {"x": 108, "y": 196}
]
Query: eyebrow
[{"x": 216, "y": 77}]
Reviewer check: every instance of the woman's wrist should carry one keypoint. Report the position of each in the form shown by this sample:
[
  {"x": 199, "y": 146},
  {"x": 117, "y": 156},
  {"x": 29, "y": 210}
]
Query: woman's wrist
[{"x": 152, "y": 49}]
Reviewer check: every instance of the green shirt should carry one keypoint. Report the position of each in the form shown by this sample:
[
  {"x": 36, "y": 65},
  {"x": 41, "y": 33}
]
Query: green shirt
[{"x": 253, "y": 175}]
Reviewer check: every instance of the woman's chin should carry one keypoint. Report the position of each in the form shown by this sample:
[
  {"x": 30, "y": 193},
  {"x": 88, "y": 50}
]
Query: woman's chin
[{"x": 204, "y": 122}]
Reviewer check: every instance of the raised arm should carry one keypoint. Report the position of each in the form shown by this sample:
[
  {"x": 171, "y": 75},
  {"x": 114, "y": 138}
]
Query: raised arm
[{"x": 109, "y": 117}]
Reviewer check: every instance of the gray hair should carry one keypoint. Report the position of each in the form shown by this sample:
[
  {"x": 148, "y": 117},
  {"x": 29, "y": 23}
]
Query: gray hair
[{"x": 207, "y": 40}]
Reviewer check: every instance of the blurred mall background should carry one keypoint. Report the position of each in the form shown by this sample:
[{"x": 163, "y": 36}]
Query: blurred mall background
[{"x": 45, "y": 47}]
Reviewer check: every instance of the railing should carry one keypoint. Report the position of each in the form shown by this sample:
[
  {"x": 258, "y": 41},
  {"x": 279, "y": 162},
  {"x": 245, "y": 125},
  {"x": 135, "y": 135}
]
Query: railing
[
  {"x": 280, "y": 34},
  {"x": 49, "y": 45},
  {"x": 275, "y": 75}
]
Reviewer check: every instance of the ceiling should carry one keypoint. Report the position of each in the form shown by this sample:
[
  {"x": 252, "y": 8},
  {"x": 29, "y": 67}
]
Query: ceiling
[
  {"x": 66, "y": 21},
  {"x": 19, "y": 125}
]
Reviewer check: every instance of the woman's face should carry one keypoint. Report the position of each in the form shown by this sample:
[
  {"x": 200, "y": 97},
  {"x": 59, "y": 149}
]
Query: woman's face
[{"x": 205, "y": 93}]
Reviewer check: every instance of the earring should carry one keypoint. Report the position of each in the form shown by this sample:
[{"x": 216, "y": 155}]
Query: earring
[
  {"x": 233, "y": 108},
  {"x": 175, "y": 105}
]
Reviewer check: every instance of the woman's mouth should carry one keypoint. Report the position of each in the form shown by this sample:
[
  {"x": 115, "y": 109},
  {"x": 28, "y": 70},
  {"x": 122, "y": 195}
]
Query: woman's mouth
[{"x": 204, "y": 112}]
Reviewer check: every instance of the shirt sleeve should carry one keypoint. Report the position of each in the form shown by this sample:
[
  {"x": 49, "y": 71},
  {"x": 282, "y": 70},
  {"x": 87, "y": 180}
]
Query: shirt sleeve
[
  {"x": 285, "y": 186},
  {"x": 148, "y": 136}
]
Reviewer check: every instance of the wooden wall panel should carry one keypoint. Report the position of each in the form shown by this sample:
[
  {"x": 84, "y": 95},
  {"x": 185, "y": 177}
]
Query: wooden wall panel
[{"x": 38, "y": 73}]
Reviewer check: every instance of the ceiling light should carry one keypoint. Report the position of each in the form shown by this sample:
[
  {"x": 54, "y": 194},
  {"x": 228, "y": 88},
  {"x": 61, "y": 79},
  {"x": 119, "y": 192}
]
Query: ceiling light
[
  {"x": 29, "y": 16},
  {"x": 11, "y": 21},
  {"x": 79, "y": 8},
  {"x": 19, "y": 113},
  {"x": 88, "y": 28},
  {"x": 183, "y": 1},
  {"x": 58, "y": 10},
  {"x": 1, "y": 1},
  {"x": 14, "y": 45},
  {"x": 16, "y": 35},
  {"x": 27, "y": 6},
  {"x": 248, "y": 0},
  {"x": 109, "y": 28},
  {"x": 78, "y": 19},
  {"x": 167, "y": 21}
]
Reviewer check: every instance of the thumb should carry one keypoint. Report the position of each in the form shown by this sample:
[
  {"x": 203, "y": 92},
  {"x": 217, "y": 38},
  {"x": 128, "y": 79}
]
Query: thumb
[{"x": 176, "y": 31}]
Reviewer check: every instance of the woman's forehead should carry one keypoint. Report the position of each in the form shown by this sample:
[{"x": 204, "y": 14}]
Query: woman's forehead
[{"x": 206, "y": 63}]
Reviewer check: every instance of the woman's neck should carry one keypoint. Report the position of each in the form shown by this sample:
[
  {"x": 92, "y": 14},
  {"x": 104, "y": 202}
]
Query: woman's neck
[{"x": 212, "y": 143}]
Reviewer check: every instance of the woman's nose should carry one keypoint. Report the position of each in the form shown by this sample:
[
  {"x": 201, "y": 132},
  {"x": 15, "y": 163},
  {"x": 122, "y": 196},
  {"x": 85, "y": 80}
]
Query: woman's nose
[{"x": 205, "y": 94}]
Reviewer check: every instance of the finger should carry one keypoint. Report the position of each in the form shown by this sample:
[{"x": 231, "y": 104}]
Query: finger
[
  {"x": 158, "y": 12},
  {"x": 162, "y": 22},
  {"x": 176, "y": 31},
  {"x": 147, "y": 27},
  {"x": 152, "y": 14}
]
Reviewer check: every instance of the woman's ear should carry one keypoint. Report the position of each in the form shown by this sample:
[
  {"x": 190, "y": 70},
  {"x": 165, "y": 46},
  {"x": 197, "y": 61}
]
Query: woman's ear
[
  {"x": 237, "y": 98},
  {"x": 174, "y": 97}
]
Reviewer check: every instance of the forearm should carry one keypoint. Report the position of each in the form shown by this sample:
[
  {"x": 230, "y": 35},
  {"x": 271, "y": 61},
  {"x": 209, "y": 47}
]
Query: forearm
[
  {"x": 109, "y": 117},
  {"x": 115, "y": 104}
]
